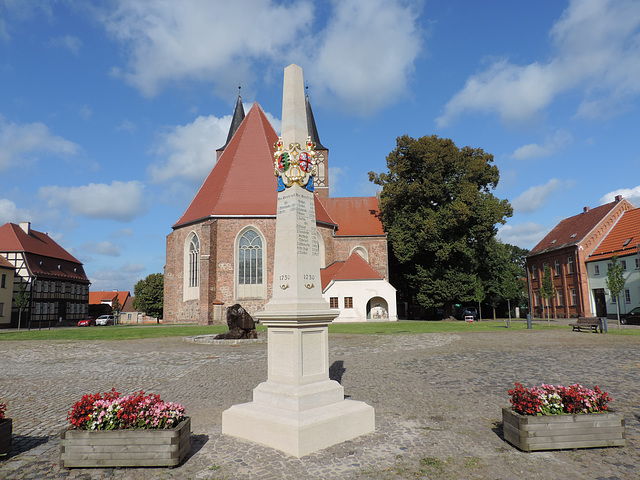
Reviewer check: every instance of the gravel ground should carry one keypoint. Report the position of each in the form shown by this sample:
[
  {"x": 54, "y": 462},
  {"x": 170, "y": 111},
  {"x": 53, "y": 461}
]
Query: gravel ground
[{"x": 437, "y": 399}]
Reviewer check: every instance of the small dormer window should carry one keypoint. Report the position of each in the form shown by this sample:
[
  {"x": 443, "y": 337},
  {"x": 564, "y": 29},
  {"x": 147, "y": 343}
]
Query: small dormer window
[
  {"x": 627, "y": 242},
  {"x": 59, "y": 267},
  {"x": 40, "y": 263},
  {"x": 552, "y": 242},
  {"x": 573, "y": 235}
]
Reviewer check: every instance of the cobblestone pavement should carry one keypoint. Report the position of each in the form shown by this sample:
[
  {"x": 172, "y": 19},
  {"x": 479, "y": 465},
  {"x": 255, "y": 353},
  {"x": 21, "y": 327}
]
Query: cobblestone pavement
[{"x": 437, "y": 399}]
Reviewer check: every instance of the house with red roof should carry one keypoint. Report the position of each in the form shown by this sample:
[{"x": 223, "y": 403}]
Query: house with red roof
[
  {"x": 623, "y": 241},
  {"x": 221, "y": 250},
  {"x": 55, "y": 280},
  {"x": 566, "y": 249},
  {"x": 358, "y": 291}
]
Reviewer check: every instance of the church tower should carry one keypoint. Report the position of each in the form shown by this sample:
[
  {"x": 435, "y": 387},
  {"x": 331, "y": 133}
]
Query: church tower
[
  {"x": 238, "y": 117},
  {"x": 321, "y": 181}
]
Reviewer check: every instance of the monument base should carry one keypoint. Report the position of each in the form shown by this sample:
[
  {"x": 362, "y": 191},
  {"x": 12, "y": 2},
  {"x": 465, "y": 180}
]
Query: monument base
[{"x": 299, "y": 433}]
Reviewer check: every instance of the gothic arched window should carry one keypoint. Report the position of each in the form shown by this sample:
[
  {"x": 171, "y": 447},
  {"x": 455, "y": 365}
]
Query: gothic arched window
[
  {"x": 191, "y": 284},
  {"x": 250, "y": 264},
  {"x": 194, "y": 262}
]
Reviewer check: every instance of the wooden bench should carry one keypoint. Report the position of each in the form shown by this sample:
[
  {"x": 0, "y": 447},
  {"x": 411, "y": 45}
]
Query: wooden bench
[{"x": 588, "y": 323}]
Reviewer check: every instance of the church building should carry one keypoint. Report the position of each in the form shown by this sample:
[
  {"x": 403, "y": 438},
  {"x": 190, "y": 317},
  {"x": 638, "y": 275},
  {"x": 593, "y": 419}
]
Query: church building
[{"x": 221, "y": 250}]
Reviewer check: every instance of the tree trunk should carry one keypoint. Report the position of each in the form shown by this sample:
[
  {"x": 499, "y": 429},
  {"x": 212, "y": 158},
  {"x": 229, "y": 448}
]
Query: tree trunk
[
  {"x": 618, "y": 308},
  {"x": 509, "y": 307},
  {"x": 19, "y": 317}
]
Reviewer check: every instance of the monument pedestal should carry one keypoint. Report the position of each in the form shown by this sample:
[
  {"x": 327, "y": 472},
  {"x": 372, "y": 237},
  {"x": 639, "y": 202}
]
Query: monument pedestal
[
  {"x": 299, "y": 433},
  {"x": 298, "y": 410}
]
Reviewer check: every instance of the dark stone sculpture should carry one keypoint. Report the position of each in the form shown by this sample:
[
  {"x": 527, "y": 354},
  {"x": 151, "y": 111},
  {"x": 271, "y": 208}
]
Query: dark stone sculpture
[{"x": 241, "y": 324}]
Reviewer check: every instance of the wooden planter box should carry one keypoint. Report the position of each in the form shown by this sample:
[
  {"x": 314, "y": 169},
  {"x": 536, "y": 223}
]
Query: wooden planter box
[
  {"x": 125, "y": 448},
  {"x": 6, "y": 426},
  {"x": 556, "y": 432}
]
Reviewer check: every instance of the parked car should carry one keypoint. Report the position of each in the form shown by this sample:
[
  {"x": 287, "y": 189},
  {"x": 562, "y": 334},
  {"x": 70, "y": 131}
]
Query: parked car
[
  {"x": 87, "y": 322},
  {"x": 468, "y": 312},
  {"x": 631, "y": 318},
  {"x": 104, "y": 320}
]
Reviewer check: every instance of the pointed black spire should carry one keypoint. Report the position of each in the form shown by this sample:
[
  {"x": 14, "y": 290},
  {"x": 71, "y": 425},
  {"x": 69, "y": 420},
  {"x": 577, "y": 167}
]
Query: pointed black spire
[
  {"x": 238, "y": 117},
  {"x": 311, "y": 125}
]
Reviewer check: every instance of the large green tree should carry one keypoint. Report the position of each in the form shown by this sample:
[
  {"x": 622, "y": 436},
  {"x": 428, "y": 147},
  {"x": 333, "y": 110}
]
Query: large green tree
[
  {"x": 439, "y": 213},
  {"x": 502, "y": 274},
  {"x": 149, "y": 295}
]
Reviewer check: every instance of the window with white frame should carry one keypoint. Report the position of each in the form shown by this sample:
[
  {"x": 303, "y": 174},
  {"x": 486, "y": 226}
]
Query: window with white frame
[
  {"x": 596, "y": 269},
  {"x": 250, "y": 264},
  {"x": 560, "y": 298},
  {"x": 556, "y": 268},
  {"x": 627, "y": 296},
  {"x": 614, "y": 300},
  {"x": 569, "y": 264},
  {"x": 533, "y": 272},
  {"x": 624, "y": 264},
  {"x": 574, "y": 297}
]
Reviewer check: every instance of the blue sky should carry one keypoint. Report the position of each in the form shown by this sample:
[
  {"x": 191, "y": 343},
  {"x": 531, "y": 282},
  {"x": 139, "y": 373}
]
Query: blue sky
[{"x": 111, "y": 111}]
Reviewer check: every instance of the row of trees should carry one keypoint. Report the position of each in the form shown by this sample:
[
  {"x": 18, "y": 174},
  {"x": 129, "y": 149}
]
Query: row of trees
[{"x": 440, "y": 216}]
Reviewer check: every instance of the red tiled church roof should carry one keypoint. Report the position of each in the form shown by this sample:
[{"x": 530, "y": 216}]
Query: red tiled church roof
[
  {"x": 14, "y": 239},
  {"x": 242, "y": 181},
  {"x": 355, "y": 268},
  {"x": 355, "y": 215},
  {"x": 626, "y": 231},
  {"x": 573, "y": 230}
]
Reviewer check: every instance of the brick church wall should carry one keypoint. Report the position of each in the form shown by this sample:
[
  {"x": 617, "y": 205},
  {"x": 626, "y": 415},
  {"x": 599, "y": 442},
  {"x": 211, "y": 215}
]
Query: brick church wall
[
  {"x": 375, "y": 246},
  {"x": 217, "y": 257}
]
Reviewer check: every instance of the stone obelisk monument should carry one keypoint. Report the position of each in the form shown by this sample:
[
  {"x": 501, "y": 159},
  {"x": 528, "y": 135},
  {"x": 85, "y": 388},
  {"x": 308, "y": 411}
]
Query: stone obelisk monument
[{"x": 298, "y": 409}]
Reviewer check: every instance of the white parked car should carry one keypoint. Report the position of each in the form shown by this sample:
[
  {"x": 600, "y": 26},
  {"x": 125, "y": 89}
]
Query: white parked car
[{"x": 104, "y": 320}]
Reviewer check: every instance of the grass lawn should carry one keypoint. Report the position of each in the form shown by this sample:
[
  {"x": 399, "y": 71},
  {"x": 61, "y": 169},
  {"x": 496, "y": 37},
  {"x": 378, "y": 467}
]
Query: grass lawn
[{"x": 129, "y": 332}]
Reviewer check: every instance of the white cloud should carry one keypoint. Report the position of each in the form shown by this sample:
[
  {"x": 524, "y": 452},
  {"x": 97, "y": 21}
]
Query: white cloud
[
  {"x": 122, "y": 278},
  {"x": 536, "y": 197},
  {"x": 189, "y": 151},
  {"x": 551, "y": 145},
  {"x": 631, "y": 194},
  {"x": 597, "y": 47},
  {"x": 202, "y": 40},
  {"x": 9, "y": 212},
  {"x": 71, "y": 43},
  {"x": 127, "y": 126},
  {"x": 102, "y": 248},
  {"x": 524, "y": 235},
  {"x": 367, "y": 53},
  {"x": 361, "y": 57},
  {"x": 121, "y": 201},
  {"x": 19, "y": 143}
]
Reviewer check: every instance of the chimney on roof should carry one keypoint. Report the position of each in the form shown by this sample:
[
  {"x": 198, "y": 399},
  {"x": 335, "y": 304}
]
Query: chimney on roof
[
  {"x": 618, "y": 198},
  {"x": 585, "y": 209},
  {"x": 26, "y": 226}
]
